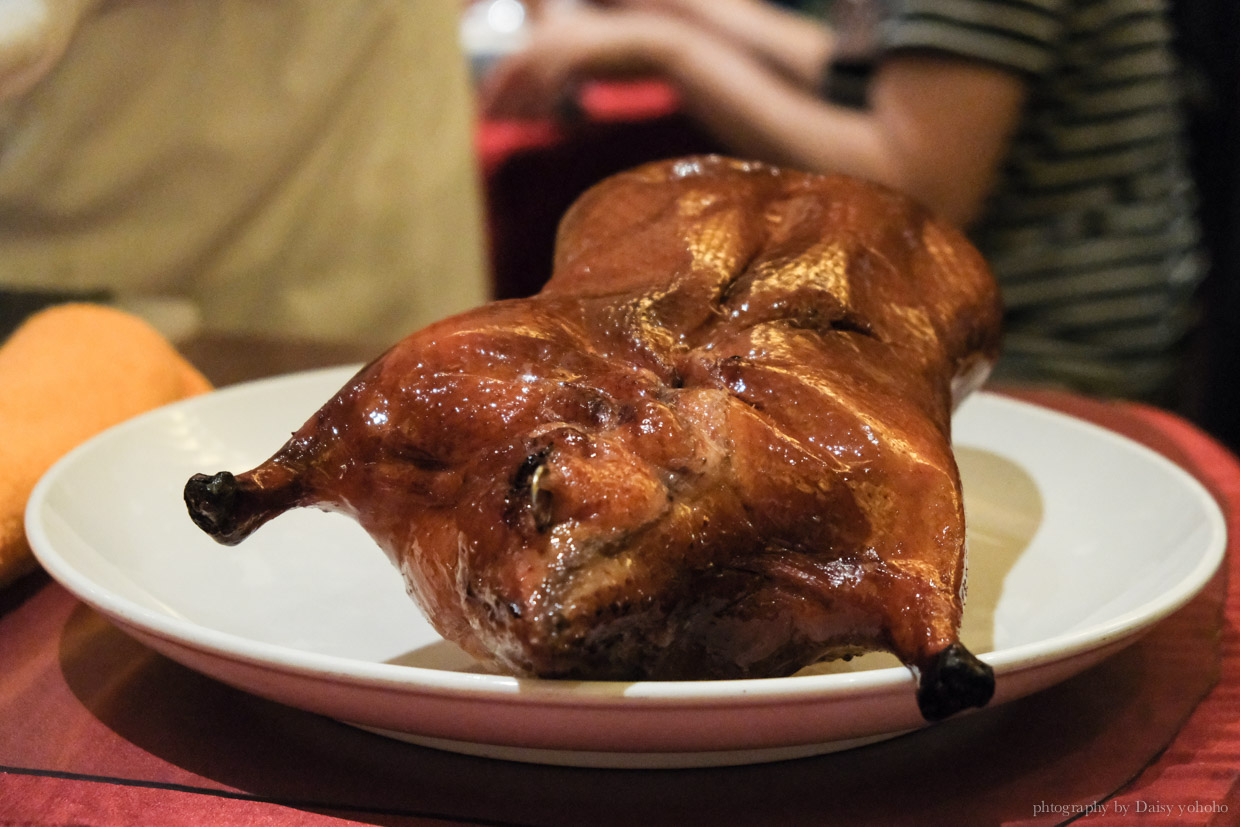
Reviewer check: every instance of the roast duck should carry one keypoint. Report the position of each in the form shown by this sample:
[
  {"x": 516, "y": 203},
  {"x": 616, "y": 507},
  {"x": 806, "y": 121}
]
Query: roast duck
[{"x": 716, "y": 445}]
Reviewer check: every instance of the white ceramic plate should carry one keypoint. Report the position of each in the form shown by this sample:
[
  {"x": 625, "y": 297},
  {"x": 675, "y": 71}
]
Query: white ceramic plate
[{"x": 1079, "y": 540}]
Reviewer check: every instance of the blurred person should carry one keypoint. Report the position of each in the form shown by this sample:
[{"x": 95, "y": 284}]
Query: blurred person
[
  {"x": 1050, "y": 129},
  {"x": 281, "y": 167}
]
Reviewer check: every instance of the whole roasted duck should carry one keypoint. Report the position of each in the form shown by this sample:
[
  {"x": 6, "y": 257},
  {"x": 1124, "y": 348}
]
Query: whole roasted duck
[{"x": 716, "y": 445}]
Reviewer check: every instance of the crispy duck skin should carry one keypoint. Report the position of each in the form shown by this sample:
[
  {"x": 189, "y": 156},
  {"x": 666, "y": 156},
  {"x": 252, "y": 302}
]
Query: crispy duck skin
[{"x": 716, "y": 445}]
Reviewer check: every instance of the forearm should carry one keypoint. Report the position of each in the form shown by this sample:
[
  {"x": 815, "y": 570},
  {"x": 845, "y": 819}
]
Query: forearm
[
  {"x": 757, "y": 114},
  {"x": 936, "y": 129},
  {"x": 796, "y": 45}
]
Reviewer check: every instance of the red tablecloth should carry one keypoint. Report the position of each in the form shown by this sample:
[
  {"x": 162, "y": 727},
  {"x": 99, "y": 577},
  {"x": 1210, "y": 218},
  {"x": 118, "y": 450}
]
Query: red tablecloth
[{"x": 98, "y": 729}]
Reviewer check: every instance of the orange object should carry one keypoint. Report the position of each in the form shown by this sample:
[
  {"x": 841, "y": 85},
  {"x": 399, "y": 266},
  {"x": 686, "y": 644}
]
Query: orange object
[{"x": 66, "y": 374}]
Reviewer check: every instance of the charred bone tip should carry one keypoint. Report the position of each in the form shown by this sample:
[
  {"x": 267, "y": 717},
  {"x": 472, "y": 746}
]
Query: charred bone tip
[
  {"x": 955, "y": 680},
  {"x": 212, "y": 504}
]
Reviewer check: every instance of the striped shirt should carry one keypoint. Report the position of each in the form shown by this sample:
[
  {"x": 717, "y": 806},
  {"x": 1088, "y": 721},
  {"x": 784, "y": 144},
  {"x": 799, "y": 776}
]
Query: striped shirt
[{"x": 1091, "y": 228}]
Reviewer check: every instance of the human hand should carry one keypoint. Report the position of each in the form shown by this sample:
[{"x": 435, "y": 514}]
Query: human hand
[
  {"x": 794, "y": 43},
  {"x": 571, "y": 44},
  {"x": 682, "y": 8}
]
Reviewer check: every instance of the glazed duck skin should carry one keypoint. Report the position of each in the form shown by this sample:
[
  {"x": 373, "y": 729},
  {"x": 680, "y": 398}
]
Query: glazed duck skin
[{"x": 716, "y": 445}]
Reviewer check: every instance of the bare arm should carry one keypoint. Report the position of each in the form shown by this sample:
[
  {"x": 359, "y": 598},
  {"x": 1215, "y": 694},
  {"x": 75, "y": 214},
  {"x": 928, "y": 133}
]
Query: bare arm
[
  {"x": 795, "y": 45},
  {"x": 937, "y": 128}
]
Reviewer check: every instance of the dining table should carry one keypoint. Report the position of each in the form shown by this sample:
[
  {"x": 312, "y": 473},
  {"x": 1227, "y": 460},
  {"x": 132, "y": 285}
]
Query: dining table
[{"x": 96, "y": 728}]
